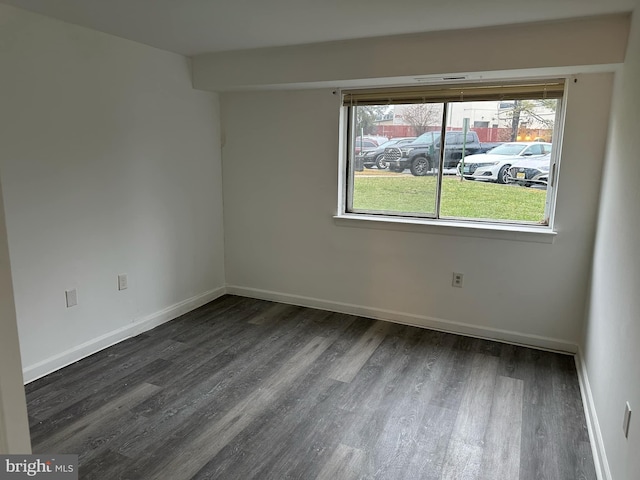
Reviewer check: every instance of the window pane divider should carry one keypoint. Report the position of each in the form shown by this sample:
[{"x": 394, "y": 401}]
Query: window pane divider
[{"x": 443, "y": 133}]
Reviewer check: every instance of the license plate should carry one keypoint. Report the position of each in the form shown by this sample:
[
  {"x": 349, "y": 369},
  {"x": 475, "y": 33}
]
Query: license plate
[
  {"x": 520, "y": 175},
  {"x": 467, "y": 169}
]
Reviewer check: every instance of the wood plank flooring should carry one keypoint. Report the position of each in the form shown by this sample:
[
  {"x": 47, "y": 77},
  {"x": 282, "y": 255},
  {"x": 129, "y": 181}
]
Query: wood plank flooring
[{"x": 243, "y": 389}]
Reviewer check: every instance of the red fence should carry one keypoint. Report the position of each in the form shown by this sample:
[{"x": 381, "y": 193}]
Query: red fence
[{"x": 393, "y": 131}]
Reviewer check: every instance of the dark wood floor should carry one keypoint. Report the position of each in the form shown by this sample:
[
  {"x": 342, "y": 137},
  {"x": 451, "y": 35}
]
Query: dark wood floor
[{"x": 243, "y": 389}]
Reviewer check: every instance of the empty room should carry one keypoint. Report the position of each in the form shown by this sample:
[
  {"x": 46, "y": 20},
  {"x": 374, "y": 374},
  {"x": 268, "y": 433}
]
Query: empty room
[{"x": 319, "y": 240}]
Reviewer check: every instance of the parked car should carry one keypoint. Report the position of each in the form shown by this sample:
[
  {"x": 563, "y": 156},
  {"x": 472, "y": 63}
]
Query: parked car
[
  {"x": 530, "y": 171},
  {"x": 493, "y": 166},
  {"x": 422, "y": 155},
  {"x": 379, "y": 139},
  {"x": 375, "y": 157},
  {"x": 365, "y": 144}
]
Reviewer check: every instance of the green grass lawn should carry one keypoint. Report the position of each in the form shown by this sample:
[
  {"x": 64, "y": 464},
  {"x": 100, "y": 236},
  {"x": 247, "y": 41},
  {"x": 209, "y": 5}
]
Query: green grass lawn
[{"x": 468, "y": 199}]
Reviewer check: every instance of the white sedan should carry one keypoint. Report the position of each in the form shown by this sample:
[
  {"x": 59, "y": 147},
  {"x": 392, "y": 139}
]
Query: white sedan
[{"x": 494, "y": 165}]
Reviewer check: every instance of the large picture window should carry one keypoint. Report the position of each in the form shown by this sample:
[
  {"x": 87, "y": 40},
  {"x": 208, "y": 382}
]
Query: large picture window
[{"x": 482, "y": 152}]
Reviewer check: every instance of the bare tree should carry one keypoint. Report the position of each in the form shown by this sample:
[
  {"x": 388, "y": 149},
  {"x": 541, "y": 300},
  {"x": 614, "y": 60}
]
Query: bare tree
[
  {"x": 422, "y": 115},
  {"x": 530, "y": 111}
]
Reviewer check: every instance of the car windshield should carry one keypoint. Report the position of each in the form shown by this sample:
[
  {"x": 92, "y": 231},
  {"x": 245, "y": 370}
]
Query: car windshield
[
  {"x": 428, "y": 137},
  {"x": 508, "y": 149},
  {"x": 388, "y": 143}
]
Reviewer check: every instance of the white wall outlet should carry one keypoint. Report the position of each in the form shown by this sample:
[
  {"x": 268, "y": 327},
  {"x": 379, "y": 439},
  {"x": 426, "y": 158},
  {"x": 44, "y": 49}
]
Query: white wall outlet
[
  {"x": 457, "y": 280},
  {"x": 72, "y": 297},
  {"x": 627, "y": 420},
  {"x": 123, "y": 282}
]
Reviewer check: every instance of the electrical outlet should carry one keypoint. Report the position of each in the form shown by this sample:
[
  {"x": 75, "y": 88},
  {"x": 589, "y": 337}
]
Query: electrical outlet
[
  {"x": 72, "y": 297},
  {"x": 457, "y": 280},
  {"x": 627, "y": 420},
  {"x": 123, "y": 282}
]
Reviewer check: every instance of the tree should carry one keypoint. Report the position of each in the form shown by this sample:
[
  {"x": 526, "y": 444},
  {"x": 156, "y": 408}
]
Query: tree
[
  {"x": 422, "y": 115},
  {"x": 366, "y": 118},
  {"x": 532, "y": 112}
]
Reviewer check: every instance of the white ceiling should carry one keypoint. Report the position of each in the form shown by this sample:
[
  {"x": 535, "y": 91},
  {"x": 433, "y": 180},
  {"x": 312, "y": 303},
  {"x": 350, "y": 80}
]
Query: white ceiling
[{"x": 198, "y": 26}]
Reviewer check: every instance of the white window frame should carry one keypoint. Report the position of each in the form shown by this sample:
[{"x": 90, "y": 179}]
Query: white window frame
[{"x": 514, "y": 230}]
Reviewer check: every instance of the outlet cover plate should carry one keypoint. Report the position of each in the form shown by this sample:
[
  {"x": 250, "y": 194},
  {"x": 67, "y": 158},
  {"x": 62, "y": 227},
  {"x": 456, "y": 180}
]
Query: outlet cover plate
[{"x": 71, "y": 297}]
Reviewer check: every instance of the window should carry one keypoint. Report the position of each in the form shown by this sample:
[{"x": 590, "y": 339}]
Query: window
[{"x": 499, "y": 174}]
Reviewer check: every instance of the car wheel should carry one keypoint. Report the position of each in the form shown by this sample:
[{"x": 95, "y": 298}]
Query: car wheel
[
  {"x": 380, "y": 163},
  {"x": 395, "y": 169},
  {"x": 368, "y": 166},
  {"x": 420, "y": 166},
  {"x": 503, "y": 174}
]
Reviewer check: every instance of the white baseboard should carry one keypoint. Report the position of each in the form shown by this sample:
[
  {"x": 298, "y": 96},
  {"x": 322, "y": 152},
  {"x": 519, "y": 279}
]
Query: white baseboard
[
  {"x": 56, "y": 362},
  {"x": 603, "y": 472},
  {"x": 51, "y": 364},
  {"x": 411, "y": 319}
]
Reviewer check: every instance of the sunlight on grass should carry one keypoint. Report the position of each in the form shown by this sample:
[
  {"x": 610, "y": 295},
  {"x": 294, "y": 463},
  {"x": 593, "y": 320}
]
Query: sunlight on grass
[{"x": 468, "y": 199}]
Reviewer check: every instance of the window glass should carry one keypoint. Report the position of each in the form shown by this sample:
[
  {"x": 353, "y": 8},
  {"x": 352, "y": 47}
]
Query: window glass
[
  {"x": 486, "y": 191},
  {"x": 400, "y": 189}
]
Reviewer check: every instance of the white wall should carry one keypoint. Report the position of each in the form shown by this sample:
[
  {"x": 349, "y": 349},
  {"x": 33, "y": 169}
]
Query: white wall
[
  {"x": 14, "y": 427},
  {"x": 110, "y": 164},
  {"x": 280, "y": 192},
  {"x": 337, "y": 64},
  {"x": 611, "y": 347}
]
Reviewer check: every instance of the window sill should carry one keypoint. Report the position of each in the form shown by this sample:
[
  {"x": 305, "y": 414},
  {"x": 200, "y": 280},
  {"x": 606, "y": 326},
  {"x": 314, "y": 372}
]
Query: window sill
[{"x": 520, "y": 233}]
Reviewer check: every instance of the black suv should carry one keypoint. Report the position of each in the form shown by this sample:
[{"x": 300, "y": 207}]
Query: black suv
[{"x": 421, "y": 155}]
